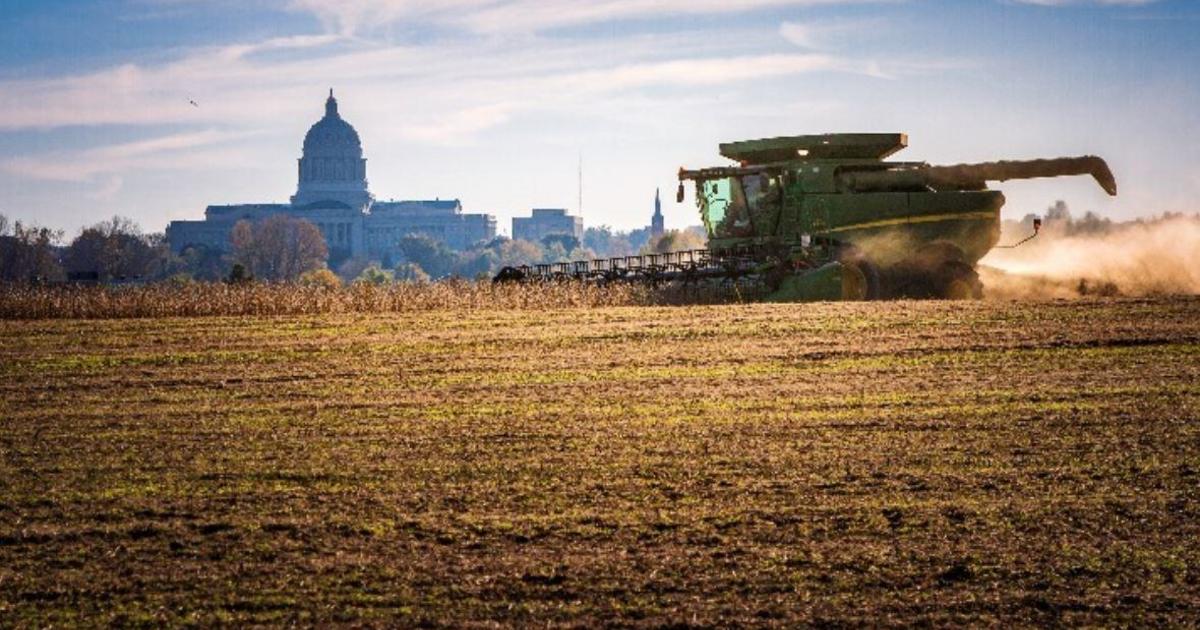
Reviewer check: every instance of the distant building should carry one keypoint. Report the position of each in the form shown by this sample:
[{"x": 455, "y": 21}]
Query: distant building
[
  {"x": 546, "y": 221},
  {"x": 443, "y": 220},
  {"x": 656, "y": 221},
  {"x": 332, "y": 193}
]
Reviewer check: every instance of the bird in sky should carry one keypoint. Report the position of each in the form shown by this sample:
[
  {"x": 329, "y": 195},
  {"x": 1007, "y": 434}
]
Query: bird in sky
[{"x": 194, "y": 103}]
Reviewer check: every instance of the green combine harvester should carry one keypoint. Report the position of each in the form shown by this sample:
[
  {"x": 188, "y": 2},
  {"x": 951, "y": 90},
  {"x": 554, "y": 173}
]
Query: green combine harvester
[{"x": 824, "y": 217}]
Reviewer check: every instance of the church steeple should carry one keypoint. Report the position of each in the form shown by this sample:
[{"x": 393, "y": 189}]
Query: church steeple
[
  {"x": 656, "y": 221},
  {"x": 331, "y": 105}
]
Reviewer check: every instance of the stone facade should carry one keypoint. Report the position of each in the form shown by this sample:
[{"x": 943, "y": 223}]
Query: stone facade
[
  {"x": 546, "y": 221},
  {"x": 333, "y": 194},
  {"x": 443, "y": 220}
]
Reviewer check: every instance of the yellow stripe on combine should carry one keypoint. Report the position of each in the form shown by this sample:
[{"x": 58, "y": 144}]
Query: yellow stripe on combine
[{"x": 932, "y": 218}]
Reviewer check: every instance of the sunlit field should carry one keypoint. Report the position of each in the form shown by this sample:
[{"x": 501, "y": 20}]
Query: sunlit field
[{"x": 580, "y": 464}]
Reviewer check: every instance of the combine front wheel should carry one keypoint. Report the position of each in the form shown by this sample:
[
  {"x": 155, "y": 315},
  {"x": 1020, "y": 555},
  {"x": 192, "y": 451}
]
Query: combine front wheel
[
  {"x": 872, "y": 288},
  {"x": 852, "y": 257}
]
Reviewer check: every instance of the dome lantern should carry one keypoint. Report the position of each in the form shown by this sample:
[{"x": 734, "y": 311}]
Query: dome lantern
[{"x": 331, "y": 105}]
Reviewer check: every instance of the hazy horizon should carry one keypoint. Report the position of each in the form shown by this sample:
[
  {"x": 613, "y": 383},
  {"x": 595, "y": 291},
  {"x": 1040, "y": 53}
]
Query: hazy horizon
[{"x": 494, "y": 101}]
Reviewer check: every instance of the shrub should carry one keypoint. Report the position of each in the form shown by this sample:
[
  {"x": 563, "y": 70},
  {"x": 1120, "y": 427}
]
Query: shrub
[
  {"x": 322, "y": 278},
  {"x": 411, "y": 272},
  {"x": 374, "y": 275},
  {"x": 239, "y": 275}
]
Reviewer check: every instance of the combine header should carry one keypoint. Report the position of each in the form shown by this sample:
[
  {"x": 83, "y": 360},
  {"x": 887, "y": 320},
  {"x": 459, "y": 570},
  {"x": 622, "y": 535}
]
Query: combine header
[{"x": 826, "y": 218}]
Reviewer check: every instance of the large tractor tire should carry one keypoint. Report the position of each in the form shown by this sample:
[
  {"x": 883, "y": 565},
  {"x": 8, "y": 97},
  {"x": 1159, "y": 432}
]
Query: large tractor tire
[
  {"x": 871, "y": 274},
  {"x": 939, "y": 271},
  {"x": 956, "y": 280},
  {"x": 873, "y": 285}
]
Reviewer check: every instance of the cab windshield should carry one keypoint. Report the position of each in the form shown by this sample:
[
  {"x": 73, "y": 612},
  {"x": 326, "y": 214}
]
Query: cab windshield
[{"x": 724, "y": 204}]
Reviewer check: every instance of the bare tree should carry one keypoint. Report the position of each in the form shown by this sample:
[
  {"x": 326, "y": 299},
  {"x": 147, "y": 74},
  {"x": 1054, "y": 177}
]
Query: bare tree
[
  {"x": 115, "y": 249},
  {"x": 27, "y": 254},
  {"x": 279, "y": 248}
]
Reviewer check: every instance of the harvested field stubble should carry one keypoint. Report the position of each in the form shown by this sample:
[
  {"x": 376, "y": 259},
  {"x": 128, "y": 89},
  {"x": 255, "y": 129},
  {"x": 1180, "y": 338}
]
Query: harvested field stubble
[{"x": 755, "y": 465}]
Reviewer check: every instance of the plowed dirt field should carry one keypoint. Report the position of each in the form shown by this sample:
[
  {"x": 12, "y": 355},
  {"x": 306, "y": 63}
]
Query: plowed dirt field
[{"x": 990, "y": 462}]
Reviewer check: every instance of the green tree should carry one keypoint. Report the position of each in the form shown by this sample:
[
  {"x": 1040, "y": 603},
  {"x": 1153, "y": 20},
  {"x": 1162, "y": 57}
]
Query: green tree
[
  {"x": 565, "y": 241},
  {"x": 201, "y": 262},
  {"x": 374, "y": 275},
  {"x": 410, "y": 272},
  {"x": 477, "y": 262},
  {"x": 554, "y": 253},
  {"x": 514, "y": 253},
  {"x": 430, "y": 254},
  {"x": 608, "y": 243}
]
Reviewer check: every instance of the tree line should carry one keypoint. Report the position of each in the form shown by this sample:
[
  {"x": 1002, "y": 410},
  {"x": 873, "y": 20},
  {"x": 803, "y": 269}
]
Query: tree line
[{"x": 288, "y": 249}]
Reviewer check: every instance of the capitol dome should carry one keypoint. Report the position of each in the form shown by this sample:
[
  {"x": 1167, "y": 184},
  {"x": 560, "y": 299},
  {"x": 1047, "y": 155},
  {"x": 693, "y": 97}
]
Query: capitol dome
[
  {"x": 332, "y": 168},
  {"x": 331, "y": 136}
]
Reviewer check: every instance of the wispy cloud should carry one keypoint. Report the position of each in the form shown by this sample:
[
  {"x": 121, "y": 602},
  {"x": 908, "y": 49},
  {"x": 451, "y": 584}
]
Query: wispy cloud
[
  {"x": 1107, "y": 3},
  {"x": 172, "y": 151},
  {"x": 294, "y": 42},
  {"x": 458, "y": 126},
  {"x": 481, "y": 82},
  {"x": 350, "y": 17},
  {"x": 440, "y": 92},
  {"x": 831, "y": 34},
  {"x": 535, "y": 15}
]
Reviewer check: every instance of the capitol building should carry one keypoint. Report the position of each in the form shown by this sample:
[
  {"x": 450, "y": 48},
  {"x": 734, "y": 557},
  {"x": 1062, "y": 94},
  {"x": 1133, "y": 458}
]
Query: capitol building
[{"x": 333, "y": 195}]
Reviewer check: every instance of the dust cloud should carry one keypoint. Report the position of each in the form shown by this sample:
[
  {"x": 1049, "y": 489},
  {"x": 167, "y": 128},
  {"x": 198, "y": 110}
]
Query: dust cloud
[{"x": 1097, "y": 258}]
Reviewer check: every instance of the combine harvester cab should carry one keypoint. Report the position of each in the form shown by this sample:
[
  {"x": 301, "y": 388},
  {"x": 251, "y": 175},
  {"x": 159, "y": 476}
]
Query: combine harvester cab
[{"x": 833, "y": 220}]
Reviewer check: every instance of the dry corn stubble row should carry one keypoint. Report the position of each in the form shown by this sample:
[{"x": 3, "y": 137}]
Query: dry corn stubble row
[{"x": 217, "y": 299}]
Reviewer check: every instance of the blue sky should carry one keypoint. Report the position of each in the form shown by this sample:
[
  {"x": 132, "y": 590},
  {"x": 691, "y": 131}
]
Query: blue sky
[{"x": 494, "y": 101}]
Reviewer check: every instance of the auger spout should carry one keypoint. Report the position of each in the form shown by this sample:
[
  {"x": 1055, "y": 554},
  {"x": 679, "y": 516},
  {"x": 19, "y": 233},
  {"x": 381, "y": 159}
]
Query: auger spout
[{"x": 975, "y": 176}]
